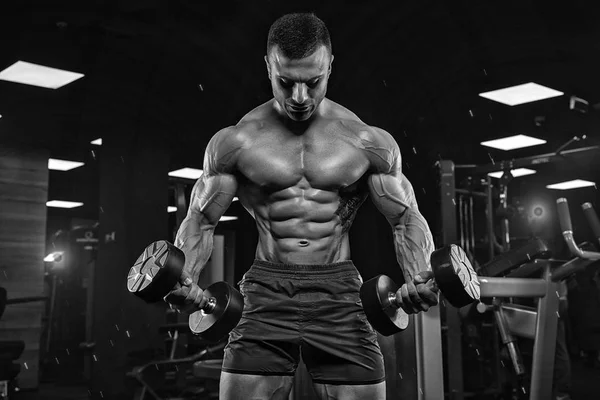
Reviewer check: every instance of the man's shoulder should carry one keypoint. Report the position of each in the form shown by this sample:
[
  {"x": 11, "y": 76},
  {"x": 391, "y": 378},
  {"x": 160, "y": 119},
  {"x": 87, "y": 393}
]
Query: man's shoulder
[
  {"x": 338, "y": 112},
  {"x": 352, "y": 124},
  {"x": 378, "y": 145},
  {"x": 239, "y": 134},
  {"x": 225, "y": 146},
  {"x": 258, "y": 114}
]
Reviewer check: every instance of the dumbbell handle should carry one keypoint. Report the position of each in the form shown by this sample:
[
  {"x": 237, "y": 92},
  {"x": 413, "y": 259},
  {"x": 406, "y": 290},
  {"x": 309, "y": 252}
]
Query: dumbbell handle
[
  {"x": 562, "y": 206},
  {"x": 211, "y": 302},
  {"x": 592, "y": 218}
]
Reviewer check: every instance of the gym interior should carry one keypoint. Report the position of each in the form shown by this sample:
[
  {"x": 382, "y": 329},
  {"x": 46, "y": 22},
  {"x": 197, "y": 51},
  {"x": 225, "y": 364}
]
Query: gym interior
[{"x": 107, "y": 108}]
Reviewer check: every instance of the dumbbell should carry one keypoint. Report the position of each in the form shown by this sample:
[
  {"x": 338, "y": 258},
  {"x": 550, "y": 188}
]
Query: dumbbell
[
  {"x": 157, "y": 272},
  {"x": 453, "y": 275}
]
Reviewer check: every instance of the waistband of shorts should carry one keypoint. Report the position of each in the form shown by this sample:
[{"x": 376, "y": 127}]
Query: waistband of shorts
[{"x": 337, "y": 269}]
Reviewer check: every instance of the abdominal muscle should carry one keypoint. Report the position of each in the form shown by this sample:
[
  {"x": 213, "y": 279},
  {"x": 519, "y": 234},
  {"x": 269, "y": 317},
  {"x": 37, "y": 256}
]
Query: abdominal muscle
[{"x": 300, "y": 231}]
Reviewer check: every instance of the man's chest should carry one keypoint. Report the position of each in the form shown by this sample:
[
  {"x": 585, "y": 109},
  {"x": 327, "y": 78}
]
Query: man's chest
[{"x": 326, "y": 161}]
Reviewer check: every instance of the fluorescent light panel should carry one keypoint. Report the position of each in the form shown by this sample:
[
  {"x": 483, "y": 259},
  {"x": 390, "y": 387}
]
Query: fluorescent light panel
[
  {"x": 574, "y": 184},
  {"x": 515, "y": 172},
  {"x": 521, "y": 94},
  {"x": 63, "y": 165},
  {"x": 187, "y": 173},
  {"x": 38, "y": 75},
  {"x": 63, "y": 204},
  {"x": 513, "y": 142},
  {"x": 97, "y": 142}
]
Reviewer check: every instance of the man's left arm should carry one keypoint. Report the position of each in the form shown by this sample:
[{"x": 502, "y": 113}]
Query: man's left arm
[{"x": 394, "y": 197}]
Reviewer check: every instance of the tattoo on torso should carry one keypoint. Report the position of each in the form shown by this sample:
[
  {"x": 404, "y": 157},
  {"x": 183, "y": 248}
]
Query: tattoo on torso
[{"x": 349, "y": 205}]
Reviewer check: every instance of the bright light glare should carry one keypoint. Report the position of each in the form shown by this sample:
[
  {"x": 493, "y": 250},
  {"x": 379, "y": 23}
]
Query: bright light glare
[
  {"x": 53, "y": 257},
  {"x": 574, "y": 184},
  {"x": 63, "y": 204},
  {"x": 227, "y": 218},
  {"x": 97, "y": 142},
  {"x": 63, "y": 165},
  {"x": 38, "y": 75},
  {"x": 171, "y": 209},
  {"x": 187, "y": 173},
  {"x": 521, "y": 94},
  {"x": 515, "y": 172},
  {"x": 513, "y": 142}
]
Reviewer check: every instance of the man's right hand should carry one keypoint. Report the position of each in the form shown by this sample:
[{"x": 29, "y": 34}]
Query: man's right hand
[{"x": 186, "y": 296}]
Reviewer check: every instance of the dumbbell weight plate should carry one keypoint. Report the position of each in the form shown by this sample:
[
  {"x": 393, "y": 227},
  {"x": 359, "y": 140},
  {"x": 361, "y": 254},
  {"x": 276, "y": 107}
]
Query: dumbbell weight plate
[
  {"x": 156, "y": 271},
  {"x": 384, "y": 317},
  {"x": 455, "y": 276},
  {"x": 214, "y": 325}
]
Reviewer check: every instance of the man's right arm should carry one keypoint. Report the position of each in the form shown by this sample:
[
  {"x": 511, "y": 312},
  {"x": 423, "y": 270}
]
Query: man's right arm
[{"x": 212, "y": 194}]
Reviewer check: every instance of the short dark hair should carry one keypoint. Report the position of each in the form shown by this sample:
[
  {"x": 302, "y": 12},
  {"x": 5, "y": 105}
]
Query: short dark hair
[{"x": 298, "y": 35}]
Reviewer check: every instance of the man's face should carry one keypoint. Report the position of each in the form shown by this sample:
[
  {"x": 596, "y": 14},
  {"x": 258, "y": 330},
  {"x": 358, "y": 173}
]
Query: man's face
[{"x": 299, "y": 86}]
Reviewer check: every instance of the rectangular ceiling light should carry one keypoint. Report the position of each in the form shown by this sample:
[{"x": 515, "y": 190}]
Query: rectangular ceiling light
[
  {"x": 63, "y": 204},
  {"x": 515, "y": 172},
  {"x": 38, "y": 75},
  {"x": 187, "y": 173},
  {"x": 63, "y": 165},
  {"x": 97, "y": 142},
  {"x": 513, "y": 142},
  {"x": 574, "y": 184},
  {"x": 521, "y": 94}
]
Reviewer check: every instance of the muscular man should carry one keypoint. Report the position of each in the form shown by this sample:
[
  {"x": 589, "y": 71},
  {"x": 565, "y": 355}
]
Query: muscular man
[{"x": 301, "y": 165}]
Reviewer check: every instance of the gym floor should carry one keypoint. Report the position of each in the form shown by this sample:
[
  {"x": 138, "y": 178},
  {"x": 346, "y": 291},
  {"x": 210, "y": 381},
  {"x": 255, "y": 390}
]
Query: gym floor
[{"x": 585, "y": 380}]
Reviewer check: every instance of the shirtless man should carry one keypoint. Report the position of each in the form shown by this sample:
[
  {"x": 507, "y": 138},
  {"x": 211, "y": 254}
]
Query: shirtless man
[{"x": 301, "y": 165}]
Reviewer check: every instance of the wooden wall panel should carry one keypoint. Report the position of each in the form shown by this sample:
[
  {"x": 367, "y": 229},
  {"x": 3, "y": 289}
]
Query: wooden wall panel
[{"x": 23, "y": 196}]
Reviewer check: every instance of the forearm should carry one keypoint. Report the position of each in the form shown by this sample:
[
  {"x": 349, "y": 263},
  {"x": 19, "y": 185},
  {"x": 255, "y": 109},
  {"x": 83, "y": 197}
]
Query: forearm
[
  {"x": 413, "y": 243},
  {"x": 195, "y": 239}
]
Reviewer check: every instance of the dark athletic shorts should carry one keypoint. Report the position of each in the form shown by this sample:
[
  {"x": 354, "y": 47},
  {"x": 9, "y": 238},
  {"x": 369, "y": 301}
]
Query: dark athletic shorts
[{"x": 309, "y": 310}]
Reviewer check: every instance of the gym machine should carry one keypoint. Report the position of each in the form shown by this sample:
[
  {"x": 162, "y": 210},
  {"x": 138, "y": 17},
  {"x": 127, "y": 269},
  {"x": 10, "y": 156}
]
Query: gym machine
[
  {"x": 539, "y": 323},
  {"x": 11, "y": 350}
]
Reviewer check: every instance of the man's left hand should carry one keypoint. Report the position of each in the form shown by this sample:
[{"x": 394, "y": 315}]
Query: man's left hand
[{"x": 418, "y": 295}]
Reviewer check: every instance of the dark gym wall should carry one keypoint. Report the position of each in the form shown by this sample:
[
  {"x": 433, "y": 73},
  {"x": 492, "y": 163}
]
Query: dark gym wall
[
  {"x": 24, "y": 192},
  {"x": 133, "y": 202}
]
